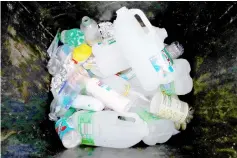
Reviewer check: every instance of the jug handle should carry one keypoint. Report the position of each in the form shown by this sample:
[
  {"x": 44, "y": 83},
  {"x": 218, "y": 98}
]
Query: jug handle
[
  {"x": 144, "y": 19},
  {"x": 138, "y": 120}
]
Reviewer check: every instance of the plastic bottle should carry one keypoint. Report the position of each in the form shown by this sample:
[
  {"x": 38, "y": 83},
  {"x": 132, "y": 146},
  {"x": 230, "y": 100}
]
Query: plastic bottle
[
  {"x": 107, "y": 95},
  {"x": 87, "y": 103},
  {"x": 106, "y": 129},
  {"x": 73, "y": 37},
  {"x": 142, "y": 50},
  {"x": 180, "y": 86},
  {"x": 168, "y": 107},
  {"x": 109, "y": 58},
  {"x": 91, "y": 30},
  {"x": 175, "y": 49},
  {"x": 67, "y": 133}
]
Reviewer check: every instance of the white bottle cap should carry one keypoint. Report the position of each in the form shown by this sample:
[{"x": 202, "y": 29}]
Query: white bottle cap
[{"x": 71, "y": 139}]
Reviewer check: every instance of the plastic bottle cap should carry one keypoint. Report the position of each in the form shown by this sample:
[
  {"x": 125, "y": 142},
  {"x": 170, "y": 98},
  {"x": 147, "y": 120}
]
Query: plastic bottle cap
[{"x": 81, "y": 53}]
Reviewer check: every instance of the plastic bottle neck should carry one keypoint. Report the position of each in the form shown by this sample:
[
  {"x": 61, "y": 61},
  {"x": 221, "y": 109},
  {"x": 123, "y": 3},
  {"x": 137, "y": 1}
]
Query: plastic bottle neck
[{"x": 86, "y": 21}]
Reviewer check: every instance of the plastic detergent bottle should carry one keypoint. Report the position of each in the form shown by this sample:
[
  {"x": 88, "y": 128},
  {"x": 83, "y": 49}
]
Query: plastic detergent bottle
[
  {"x": 142, "y": 50},
  {"x": 180, "y": 86},
  {"x": 91, "y": 30},
  {"x": 87, "y": 103},
  {"x": 168, "y": 107},
  {"x": 67, "y": 133},
  {"x": 81, "y": 53},
  {"x": 109, "y": 58},
  {"x": 107, "y": 129},
  {"x": 73, "y": 37}
]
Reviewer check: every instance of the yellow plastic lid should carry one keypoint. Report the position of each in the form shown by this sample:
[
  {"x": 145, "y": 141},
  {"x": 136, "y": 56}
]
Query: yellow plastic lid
[{"x": 81, "y": 53}]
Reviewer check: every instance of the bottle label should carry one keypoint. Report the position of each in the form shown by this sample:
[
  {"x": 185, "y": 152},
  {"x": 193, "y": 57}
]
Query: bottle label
[
  {"x": 86, "y": 128},
  {"x": 168, "y": 60},
  {"x": 104, "y": 86},
  {"x": 168, "y": 89},
  {"x": 155, "y": 63},
  {"x": 128, "y": 75},
  {"x": 62, "y": 127},
  {"x": 173, "y": 109},
  {"x": 146, "y": 116}
]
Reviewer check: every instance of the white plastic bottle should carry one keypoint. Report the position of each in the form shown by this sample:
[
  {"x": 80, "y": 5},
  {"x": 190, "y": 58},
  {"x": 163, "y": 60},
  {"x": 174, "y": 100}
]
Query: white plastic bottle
[
  {"x": 106, "y": 129},
  {"x": 87, "y": 103},
  {"x": 109, "y": 58},
  {"x": 168, "y": 107},
  {"x": 106, "y": 94},
  {"x": 180, "y": 86},
  {"x": 91, "y": 30}
]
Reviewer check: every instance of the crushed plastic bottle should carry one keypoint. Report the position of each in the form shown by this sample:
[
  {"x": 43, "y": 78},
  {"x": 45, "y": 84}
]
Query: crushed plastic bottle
[
  {"x": 175, "y": 49},
  {"x": 168, "y": 107}
]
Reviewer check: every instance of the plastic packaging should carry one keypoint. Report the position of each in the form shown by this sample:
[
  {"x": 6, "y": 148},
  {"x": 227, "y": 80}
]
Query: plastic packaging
[
  {"x": 180, "y": 86},
  {"x": 87, "y": 103},
  {"x": 54, "y": 45},
  {"x": 106, "y": 129},
  {"x": 91, "y": 30},
  {"x": 168, "y": 107},
  {"x": 108, "y": 57},
  {"x": 54, "y": 66},
  {"x": 175, "y": 49},
  {"x": 81, "y": 53},
  {"x": 73, "y": 37}
]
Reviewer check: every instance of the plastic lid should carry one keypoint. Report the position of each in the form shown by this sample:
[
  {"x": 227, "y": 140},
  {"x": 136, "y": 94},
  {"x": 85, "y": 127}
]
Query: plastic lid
[
  {"x": 86, "y": 21},
  {"x": 71, "y": 139},
  {"x": 81, "y": 53}
]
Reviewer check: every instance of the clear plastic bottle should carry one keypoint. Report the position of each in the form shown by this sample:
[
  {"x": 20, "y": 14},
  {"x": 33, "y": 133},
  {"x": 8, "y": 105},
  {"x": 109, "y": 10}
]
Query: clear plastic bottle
[
  {"x": 175, "y": 49},
  {"x": 91, "y": 30}
]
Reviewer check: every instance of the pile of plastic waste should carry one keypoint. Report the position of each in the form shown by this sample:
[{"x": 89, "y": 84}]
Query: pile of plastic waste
[{"x": 116, "y": 84}]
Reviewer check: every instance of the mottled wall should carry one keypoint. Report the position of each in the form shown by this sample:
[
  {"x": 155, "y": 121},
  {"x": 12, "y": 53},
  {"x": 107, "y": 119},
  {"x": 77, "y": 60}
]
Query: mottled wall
[{"x": 206, "y": 29}]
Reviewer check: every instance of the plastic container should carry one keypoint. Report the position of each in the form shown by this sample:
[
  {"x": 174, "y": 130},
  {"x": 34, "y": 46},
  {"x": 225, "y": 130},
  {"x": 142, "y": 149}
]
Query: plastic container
[
  {"x": 168, "y": 107},
  {"x": 109, "y": 58},
  {"x": 142, "y": 50},
  {"x": 87, "y": 103},
  {"x": 106, "y": 129},
  {"x": 175, "y": 50},
  {"x": 73, "y": 37},
  {"x": 91, "y": 30},
  {"x": 180, "y": 86},
  {"x": 81, "y": 53}
]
